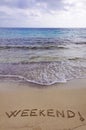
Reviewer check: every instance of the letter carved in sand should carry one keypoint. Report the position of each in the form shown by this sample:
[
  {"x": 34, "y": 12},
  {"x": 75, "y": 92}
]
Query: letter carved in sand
[{"x": 68, "y": 115}]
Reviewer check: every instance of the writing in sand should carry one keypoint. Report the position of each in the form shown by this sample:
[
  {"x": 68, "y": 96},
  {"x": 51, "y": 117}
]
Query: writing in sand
[{"x": 45, "y": 113}]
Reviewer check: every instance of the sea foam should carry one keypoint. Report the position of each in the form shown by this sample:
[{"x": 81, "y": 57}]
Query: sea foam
[{"x": 44, "y": 73}]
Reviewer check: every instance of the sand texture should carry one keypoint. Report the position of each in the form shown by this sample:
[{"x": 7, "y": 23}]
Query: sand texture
[{"x": 34, "y": 107}]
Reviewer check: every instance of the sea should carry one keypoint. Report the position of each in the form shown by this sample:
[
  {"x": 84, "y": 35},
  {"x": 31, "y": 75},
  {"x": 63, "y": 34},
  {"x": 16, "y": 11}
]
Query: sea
[{"x": 43, "y": 55}]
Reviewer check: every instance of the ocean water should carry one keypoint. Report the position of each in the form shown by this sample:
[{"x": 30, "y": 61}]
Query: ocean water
[{"x": 43, "y": 55}]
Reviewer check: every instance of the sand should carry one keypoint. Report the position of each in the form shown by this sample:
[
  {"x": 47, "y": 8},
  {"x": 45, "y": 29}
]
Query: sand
[{"x": 34, "y": 107}]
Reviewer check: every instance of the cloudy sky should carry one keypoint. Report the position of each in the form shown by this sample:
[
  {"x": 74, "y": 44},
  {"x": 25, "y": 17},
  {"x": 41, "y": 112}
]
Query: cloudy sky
[{"x": 42, "y": 13}]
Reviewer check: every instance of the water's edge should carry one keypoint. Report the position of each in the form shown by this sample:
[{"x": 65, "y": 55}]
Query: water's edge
[{"x": 43, "y": 73}]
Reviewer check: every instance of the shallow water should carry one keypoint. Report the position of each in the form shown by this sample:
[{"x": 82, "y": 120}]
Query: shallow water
[{"x": 43, "y": 56}]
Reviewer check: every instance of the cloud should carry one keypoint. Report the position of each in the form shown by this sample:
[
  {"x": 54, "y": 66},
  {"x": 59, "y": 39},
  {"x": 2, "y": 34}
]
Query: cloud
[
  {"x": 53, "y": 4},
  {"x": 44, "y": 13}
]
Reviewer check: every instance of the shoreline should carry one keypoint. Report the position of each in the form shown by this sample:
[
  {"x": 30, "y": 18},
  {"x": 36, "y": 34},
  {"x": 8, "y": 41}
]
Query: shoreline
[
  {"x": 43, "y": 73},
  {"x": 70, "y": 84},
  {"x": 30, "y": 106}
]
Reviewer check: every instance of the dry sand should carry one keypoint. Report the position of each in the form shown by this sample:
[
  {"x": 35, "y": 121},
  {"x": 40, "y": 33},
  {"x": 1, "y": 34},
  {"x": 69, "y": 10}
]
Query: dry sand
[{"x": 32, "y": 107}]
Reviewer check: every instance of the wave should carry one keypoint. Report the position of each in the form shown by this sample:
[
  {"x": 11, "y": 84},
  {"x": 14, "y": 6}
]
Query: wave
[
  {"x": 27, "y": 80},
  {"x": 44, "y": 73},
  {"x": 33, "y": 47},
  {"x": 77, "y": 59},
  {"x": 82, "y": 43}
]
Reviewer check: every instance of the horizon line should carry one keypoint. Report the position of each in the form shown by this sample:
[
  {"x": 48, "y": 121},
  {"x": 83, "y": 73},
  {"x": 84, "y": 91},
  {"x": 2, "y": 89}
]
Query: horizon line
[{"x": 44, "y": 27}]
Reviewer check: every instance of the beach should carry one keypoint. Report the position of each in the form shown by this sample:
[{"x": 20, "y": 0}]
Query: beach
[
  {"x": 42, "y": 79},
  {"x": 27, "y": 106}
]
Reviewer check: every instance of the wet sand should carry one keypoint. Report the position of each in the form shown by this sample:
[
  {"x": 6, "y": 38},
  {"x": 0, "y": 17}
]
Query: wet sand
[{"x": 26, "y": 106}]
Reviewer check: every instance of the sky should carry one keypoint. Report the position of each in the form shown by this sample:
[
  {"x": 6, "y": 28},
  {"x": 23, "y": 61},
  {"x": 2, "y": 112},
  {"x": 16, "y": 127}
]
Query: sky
[{"x": 43, "y": 13}]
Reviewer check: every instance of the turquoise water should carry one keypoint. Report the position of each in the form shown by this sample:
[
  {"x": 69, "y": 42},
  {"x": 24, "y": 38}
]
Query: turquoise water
[
  {"x": 43, "y": 55},
  {"x": 42, "y": 32}
]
